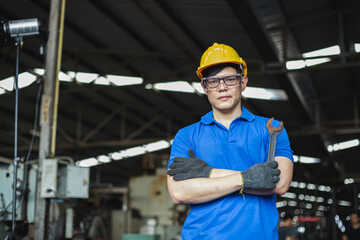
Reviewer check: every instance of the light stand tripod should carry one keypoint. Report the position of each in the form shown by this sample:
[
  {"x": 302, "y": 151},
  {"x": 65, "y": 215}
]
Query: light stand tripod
[
  {"x": 16, "y": 29},
  {"x": 18, "y": 42}
]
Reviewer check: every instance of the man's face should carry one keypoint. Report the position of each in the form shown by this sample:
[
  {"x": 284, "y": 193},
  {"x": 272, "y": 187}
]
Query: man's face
[
  {"x": 226, "y": 98},
  {"x": 354, "y": 218}
]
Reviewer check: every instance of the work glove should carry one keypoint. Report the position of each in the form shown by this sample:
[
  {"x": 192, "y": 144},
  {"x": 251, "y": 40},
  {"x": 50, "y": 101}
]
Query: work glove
[
  {"x": 262, "y": 176},
  {"x": 186, "y": 168}
]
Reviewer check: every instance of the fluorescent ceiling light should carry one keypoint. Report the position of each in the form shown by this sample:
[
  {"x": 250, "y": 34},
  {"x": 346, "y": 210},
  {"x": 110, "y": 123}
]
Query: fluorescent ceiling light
[
  {"x": 310, "y": 198},
  {"x": 62, "y": 76},
  {"x": 329, "y": 51},
  {"x": 308, "y": 160},
  {"x": 155, "y": 146},
  {"x": 71, "y": 74},
  {"x": 299, "y": 64},
  {"x": 2, "y": 91},
  {"x": 343, "y": 145},
  {"x": 281, "y": 204},
  {"x": 86, "y": 77},
  {"x": 25, "y": 79},
  {"x": 316, "y": 61},
  {"x": 177, "y": 86},
  {"x": 323, "y": 188},
  {"x": 292, "y": 203},
  {"x": 124, "y": 80},
  {"x": 135, "y": 151},
  {"x": 89, "y": 162},
  {"x": 321, "y": 208},
  {"x": 198, "y": 87},
  {"x": 102, "y": 81},
  {"x": 39, "y": 71},
  {"x": 7, "y": 83},
  {"x": 116, "y": 156},
  {"x": 139, "y": 150},
  {"x": 308, "y": 206},
  {"x": 289, "y": 195},
  {"x": 104, "y": 159},
  {"x": 311, "y": 186},
  {"x": 65, "y": 77},
  {"x": 357, "y": 47},
  {"x": 295, "y": 64},
  {"x": 124, "y": 153},
  {"x": 127, "y": 153},
  {"x": 344, "y": 203},
  {"x": 301, "y": 229},
  {"x": 294, "y": 184},
  {"x": 349, "y": 181},
  {"x": 265, "y": 93}
]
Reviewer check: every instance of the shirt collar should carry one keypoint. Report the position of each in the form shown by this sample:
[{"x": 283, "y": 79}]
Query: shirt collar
[{"x": 246, "y": 115}]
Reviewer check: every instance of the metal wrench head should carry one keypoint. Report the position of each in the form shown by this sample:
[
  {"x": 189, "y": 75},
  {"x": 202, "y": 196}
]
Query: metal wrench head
[{"x": 273, "y": 129}]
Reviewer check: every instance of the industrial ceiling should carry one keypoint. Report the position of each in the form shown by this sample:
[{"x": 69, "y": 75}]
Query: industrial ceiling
[{"x": 162, "y": 41}]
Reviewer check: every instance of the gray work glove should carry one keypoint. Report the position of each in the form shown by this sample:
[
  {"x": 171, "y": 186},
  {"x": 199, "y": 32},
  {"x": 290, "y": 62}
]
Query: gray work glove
[
  {"x": 185, "y": 168},
  {"x": 262, "y": 176}
]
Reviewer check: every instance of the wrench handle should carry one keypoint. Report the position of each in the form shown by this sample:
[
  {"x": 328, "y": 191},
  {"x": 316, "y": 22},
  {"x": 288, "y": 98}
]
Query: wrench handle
[{"x": 272, "y": 146}]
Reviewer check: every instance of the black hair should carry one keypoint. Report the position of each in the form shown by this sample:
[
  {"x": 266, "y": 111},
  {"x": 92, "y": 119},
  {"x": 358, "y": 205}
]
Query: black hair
[
  {"x": 213, "y": 70},
  {"x": 287, "y": 216},
  {"x": 355, "y": 212}
]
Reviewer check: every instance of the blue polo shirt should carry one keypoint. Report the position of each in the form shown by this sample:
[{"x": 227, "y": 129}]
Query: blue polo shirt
[{"x": 241, "y": 146}]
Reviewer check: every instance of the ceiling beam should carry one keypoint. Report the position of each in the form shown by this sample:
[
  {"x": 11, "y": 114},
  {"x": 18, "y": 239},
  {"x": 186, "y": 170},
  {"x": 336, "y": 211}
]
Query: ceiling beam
[
  {"x": 84, "y": 35},
  {"x": 167, "y": 30},
  {"x": 322, "y": 136},
  {"x": 115, "y": 18},
  {"x": 173, "y": 15},
  {"x": 314, "y": 17},
  {"x": 262, "y": 42}
]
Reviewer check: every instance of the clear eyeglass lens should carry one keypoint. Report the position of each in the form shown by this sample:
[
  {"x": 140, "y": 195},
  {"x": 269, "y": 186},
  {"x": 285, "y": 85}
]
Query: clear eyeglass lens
[{"x": 229, "y": 81}]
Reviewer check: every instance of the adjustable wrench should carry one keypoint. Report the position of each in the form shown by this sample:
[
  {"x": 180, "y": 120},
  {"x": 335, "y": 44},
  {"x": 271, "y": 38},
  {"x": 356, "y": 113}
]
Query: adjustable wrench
[{"x": 274, "y": 132}]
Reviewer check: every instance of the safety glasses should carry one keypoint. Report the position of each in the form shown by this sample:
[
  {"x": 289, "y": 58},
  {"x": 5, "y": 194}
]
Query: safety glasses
[{"x": 214, "y": 82}]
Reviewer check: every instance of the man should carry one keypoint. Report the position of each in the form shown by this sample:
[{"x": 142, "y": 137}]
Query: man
[
  {"x": 286, "y": 230},
  {"x": 353, "y": 228},
  {"x": 218, "y": 165}
]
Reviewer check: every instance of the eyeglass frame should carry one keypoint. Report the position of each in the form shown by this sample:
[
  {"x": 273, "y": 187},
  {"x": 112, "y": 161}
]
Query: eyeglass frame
[{"x": 239, "y": 77}]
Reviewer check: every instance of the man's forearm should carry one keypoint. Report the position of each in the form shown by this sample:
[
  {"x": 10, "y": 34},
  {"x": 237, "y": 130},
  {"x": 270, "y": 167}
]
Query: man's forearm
[
  {"x": 198, "y": 190},
  {"x": 285, "y": 166},
  {"x": 222, "y": 182},
  {"x": 216, "y": 173}
]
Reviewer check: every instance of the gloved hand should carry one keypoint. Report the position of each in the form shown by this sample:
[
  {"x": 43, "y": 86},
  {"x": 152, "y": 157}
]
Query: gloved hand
[
  {"x": 185, "y": 168},
  {"x": 262, "y": 176}
]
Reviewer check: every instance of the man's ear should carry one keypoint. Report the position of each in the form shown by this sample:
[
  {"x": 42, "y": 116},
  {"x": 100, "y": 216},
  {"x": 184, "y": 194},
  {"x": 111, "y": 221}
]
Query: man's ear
[
  {"x": 204, "y": 88},
  {"x": 244, "y": 81}
]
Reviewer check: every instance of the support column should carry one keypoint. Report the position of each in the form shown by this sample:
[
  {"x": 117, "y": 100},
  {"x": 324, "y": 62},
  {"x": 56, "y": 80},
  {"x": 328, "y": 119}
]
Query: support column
[
  {"x": 333, "y": 213},
  {"x": 356, "y": 111},
  {"x": 355, "y": 197},
  {"x": 49, "y": 108}
]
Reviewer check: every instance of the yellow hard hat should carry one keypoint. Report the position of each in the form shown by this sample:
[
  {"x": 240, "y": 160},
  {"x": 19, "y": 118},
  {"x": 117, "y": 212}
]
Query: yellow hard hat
[{"x": 217, "y": 54}]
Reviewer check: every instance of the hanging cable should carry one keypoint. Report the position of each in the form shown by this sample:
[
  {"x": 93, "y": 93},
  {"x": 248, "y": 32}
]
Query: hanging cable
[
  {"x": 26, "y": 162},
  {"x": 16, "y": 158}
]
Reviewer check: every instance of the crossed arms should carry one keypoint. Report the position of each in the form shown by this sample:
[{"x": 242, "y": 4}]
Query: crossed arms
[{"x": 222, "y": 182}]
